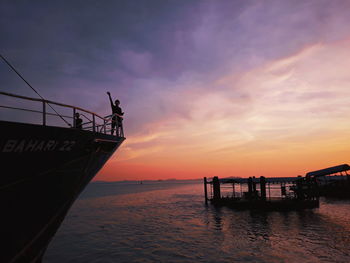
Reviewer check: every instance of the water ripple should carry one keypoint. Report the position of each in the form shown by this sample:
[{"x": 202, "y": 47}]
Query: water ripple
[{"x": 170, "y": 223}]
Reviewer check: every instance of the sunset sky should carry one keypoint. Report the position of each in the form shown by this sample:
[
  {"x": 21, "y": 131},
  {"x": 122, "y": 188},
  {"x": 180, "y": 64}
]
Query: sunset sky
[{"x": 225, "y": 88}]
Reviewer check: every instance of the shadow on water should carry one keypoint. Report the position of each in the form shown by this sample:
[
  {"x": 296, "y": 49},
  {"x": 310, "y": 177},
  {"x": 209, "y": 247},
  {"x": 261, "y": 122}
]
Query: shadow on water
[{"x": 217, "y": 217}]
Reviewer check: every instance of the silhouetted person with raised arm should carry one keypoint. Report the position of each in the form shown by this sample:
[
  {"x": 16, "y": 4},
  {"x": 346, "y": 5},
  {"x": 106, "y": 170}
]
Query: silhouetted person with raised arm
[{"x": 116, "y": 120}]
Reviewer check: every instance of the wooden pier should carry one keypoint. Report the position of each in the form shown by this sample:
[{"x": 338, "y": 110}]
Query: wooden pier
[{"x": 278, "y": 193}]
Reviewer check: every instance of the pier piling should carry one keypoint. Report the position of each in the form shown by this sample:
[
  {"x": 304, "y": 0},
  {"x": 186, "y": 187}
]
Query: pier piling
[
  {"x": 216, "y": 188},
  {"x": 263, "y": 187},
  {"x": 250, "y": 187},
  {"x": 205, "y": 190}
]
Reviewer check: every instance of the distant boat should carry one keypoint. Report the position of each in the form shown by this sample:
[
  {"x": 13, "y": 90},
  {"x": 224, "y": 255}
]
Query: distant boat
[{"x": 44, "y": 169}]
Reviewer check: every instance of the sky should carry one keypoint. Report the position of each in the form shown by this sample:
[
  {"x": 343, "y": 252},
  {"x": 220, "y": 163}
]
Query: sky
[{"x": 209, "y": 88}]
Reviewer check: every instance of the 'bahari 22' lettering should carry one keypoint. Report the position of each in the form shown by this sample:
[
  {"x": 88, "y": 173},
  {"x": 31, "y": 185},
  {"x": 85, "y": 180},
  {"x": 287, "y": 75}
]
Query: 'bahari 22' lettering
[{"x": 19, "y": 146}]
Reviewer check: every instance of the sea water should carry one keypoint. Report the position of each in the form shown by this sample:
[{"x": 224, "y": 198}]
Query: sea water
[{"x": 168, "y": 221}]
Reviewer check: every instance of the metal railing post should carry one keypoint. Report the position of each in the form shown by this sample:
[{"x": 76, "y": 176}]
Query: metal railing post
[
  {"x": 121, "y": 129},
  {"x": 74, "y": 122},
  {"x": 44, "y": 113},
  {"x": 104, "y": 126},
  {"x": 93, "y": 123}
]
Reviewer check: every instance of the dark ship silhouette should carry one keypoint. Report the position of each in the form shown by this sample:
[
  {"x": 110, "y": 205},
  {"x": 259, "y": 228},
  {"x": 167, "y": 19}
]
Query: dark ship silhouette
[{"x": 44, "y": 169}]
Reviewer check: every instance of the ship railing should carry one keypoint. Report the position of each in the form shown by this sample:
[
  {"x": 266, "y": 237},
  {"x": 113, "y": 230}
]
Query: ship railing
[
  {"x": 106, "y": 126},
  {"x": 92, "y": 121}
]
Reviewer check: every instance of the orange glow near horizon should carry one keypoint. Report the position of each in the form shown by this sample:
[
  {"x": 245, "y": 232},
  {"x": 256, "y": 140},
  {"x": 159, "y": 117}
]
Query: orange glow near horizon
[{"x": 284, "y": 118}]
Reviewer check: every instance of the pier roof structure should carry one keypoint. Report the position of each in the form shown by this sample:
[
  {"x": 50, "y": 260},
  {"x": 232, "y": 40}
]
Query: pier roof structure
[
  {"x": 272, "y": 180},
  {"x": 329, "y": 171}
]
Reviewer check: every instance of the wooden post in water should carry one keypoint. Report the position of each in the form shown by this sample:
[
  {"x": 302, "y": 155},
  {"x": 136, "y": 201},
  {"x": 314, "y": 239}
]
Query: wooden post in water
[
  {"x": 233, "y": 190},
  {"x": 216, "y": 188},
  {"x": 283, "y": 190},
  {"x": 250, "y": 187},
  {"x": 299, "y": 191},
  {"x": 205, "y": 190},
  {"x": 254, "y": 194},
  {"x": 263, "y": 187}
]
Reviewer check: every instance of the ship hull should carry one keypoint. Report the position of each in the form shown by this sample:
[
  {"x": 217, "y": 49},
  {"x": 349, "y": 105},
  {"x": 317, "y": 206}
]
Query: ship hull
[{"x": 44, "y": 169}]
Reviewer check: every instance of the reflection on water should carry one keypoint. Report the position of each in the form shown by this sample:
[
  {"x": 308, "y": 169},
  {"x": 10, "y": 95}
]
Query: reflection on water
[{"x": 165, "y": 222}]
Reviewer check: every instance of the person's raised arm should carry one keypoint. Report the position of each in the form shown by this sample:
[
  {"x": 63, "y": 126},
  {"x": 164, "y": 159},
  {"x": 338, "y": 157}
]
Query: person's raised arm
[{"x": 110, "y": 99}]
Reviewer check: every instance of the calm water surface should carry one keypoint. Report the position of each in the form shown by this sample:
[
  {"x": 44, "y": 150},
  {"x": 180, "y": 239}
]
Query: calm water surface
[{"x": 169, "y": 222}]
